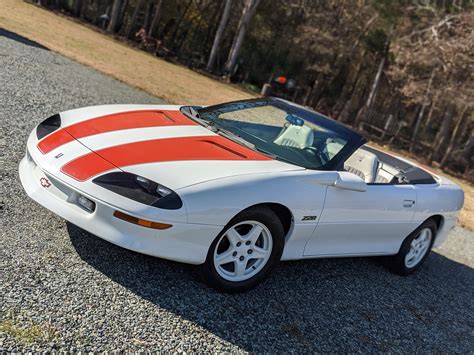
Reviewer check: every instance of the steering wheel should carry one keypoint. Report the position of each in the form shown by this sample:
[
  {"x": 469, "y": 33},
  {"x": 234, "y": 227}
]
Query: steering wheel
[{"x": 317, "y": 153}]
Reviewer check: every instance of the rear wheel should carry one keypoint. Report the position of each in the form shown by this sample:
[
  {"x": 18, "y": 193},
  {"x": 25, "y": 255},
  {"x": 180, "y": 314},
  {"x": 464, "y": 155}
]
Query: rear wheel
[
  {"x": 245, "y": 252},
  {"x": 414, "y": 250}
]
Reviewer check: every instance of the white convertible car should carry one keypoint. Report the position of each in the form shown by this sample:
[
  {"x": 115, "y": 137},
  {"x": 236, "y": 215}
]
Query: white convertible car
[{"x": 236, "y": 187}]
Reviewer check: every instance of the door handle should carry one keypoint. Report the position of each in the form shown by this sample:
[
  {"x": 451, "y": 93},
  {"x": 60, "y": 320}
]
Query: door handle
[{"x": 408, "y": 203}]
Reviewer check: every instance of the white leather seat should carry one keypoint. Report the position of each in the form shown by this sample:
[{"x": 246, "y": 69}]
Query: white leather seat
[
  {"x": 333, "y": 146},
  {"x": 296, "y": 137},
  {"x": 363, "y": 164}
]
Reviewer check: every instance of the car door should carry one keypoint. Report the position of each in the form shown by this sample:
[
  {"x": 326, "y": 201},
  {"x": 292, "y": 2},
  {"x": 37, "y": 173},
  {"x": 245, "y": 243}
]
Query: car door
[{"x": 368, "y": 222}]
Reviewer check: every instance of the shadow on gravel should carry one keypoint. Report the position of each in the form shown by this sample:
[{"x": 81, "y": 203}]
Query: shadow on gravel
[
  {"x": 16, "y": 37},
  {"x": 315, "y": 305}
]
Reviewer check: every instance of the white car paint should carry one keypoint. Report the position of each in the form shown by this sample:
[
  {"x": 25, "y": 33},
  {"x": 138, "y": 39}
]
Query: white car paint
[{"x": 351, "y": 218}]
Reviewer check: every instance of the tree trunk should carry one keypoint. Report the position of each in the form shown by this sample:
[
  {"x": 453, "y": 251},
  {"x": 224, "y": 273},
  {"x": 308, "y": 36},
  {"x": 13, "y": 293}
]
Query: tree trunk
[
  {"x": 178, "y": 25},
  {"x": 77, "y": 8},
  {"x": 443, "y": 133},
  {"x": 430, "y": 115},
  {"x": 146, "y": 22},
  {"x": 468, "y": 155},
  {"x": 250, "y": 8},
  {"x": 364, "y": 112},
  {"x": 307, "y": 95},
  {"x": 419, "y": 118},
  {"x": 123, "y": 10},
  {"x": 219, "y": 33},
  {"x": 454, "y": 138},
  {"x": 134, "y": 18},
  {"x": 352, "y": 106},
  {"x": 386, "y": 126},
  {"x": 114, "y": 16},
  {"x": 101, "y": 12},
  {"x": 349, "y": 88},
  {"x": 212, "y": 27},
  {"x": 422, "y": 112},
  {"x": 156, "y": 18}
]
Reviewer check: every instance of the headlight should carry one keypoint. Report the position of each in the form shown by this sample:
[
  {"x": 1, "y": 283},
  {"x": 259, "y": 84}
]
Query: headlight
[
  {"x": 48, "y": 126},
  {"x": 140, "y": 189},
  {"x": 152, "y": 187}
]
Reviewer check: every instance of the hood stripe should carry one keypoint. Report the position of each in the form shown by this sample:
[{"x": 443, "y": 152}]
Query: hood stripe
[
  {"x": 158, "y": 150},
  {"x": 113, "y": 122}
]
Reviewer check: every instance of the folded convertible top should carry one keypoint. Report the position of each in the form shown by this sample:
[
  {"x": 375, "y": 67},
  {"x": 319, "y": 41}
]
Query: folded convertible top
[{"x": 409, "y": 174}]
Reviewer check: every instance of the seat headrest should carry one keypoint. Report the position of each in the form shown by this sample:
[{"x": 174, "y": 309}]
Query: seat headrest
[
  {"x": 296, "y": 136},
  {"x": 365, "y": 162}
]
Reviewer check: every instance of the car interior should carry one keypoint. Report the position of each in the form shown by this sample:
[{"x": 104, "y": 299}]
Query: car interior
[
  {"x": 312, "y": 146},
  {"x": 301, "y": 137},
  {"x": 376, "y": 167}
]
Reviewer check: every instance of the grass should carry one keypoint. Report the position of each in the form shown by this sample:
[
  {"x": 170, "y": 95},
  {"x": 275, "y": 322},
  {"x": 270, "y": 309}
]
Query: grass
[
  {"x": 171, "y": 82},
  {"x": 26, "y": 332}
]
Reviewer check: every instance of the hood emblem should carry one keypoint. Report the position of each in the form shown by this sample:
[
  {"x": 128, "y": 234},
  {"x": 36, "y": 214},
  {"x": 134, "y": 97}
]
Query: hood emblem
[{"x": 45, "y": 182}]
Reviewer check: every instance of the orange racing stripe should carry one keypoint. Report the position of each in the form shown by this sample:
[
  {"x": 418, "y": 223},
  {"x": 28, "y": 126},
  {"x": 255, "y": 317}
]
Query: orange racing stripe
[
  {"x": 113, "y": 122},
  {"x": 158, "y": 150}
]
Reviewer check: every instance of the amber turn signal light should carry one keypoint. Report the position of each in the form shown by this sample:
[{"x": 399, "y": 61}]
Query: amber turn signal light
[{"x": 141, "y": 222}]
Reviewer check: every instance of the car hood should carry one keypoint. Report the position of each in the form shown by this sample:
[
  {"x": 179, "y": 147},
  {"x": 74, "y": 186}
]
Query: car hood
[{"x": 156, "y": 142}]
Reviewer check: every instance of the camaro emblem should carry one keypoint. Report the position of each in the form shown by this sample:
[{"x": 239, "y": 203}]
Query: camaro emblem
[{"x": 45, "y": 182}]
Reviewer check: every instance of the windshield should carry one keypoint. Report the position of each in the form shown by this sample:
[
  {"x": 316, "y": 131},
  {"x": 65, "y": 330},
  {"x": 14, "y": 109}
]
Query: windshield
[{"x": 285, "y": 132}]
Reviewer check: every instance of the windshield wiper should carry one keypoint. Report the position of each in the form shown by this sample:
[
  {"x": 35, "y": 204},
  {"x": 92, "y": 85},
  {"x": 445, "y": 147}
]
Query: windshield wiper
[
  {"x": 273, "y": 156},
  {"x": 193, "y": 112},
  {"x": 238, "y": 139},
  {"x": 231, "y": 135}
]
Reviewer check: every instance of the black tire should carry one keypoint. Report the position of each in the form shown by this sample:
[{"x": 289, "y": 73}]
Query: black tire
[
  {"x": 264, "y": 216},
  {"x": 397, "y": 263}
]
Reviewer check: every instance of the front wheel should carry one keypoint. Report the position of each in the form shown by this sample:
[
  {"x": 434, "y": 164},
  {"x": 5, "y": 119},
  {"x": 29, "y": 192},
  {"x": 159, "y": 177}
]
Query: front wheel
[
  {"x": 245, "y": 252},
  {"x": 414, "y": 250}
]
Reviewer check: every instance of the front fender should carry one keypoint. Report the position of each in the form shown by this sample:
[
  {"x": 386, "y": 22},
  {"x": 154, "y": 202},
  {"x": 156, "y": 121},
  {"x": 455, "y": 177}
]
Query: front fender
[{"x": 217, "y": 202}]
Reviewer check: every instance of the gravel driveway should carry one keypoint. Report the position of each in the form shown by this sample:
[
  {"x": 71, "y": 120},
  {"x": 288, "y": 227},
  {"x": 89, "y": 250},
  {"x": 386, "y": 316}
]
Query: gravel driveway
[{"x": 62, "y": 288}]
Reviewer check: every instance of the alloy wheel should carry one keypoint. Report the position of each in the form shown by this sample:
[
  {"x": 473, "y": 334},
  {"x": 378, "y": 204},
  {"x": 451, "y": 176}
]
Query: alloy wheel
[{"x": 243, "y": 251}]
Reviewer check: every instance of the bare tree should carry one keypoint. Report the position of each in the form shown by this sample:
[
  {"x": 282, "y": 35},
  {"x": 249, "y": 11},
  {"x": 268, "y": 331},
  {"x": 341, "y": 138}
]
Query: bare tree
[
  {"x": 443, "y": 134},
  {"x": 468, "y": 154},
  {"x": 156, "y": 17},
  {"x": 77, "y": 8},
  {"x": 114, "y": 16},
  {"x": 146, "y": 22},
  {"x": 219, "y": 33},
  {"x": 454, "y": 137},
  {"x": 123, "y": 10},
  {"x": 365, "y": 111},
  {"x": 134, "y": 18},
  {"x": 421, "y": 114},
  {"x": 250, "y": 8}
]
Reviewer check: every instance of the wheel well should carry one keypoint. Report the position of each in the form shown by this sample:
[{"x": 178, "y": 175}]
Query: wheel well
[
  {"x": 283, "y": 213},
  {"x": 438, "y": 219}
]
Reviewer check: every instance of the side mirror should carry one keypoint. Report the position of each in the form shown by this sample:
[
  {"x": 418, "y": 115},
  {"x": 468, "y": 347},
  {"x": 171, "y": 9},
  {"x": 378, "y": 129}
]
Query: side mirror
[{"x": 349, "y": 181}]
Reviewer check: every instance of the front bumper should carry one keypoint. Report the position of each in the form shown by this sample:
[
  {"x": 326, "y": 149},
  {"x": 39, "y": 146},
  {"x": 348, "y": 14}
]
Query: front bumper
[{"x": 183, "y": 242}]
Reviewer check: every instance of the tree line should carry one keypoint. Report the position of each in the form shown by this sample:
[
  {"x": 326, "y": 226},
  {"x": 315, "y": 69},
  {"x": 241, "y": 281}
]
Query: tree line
[{"x": 399, "y": 70}]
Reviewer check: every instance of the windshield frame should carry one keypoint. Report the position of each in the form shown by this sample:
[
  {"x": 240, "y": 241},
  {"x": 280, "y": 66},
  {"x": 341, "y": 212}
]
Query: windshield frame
[{"x": 354, "y": 140}]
